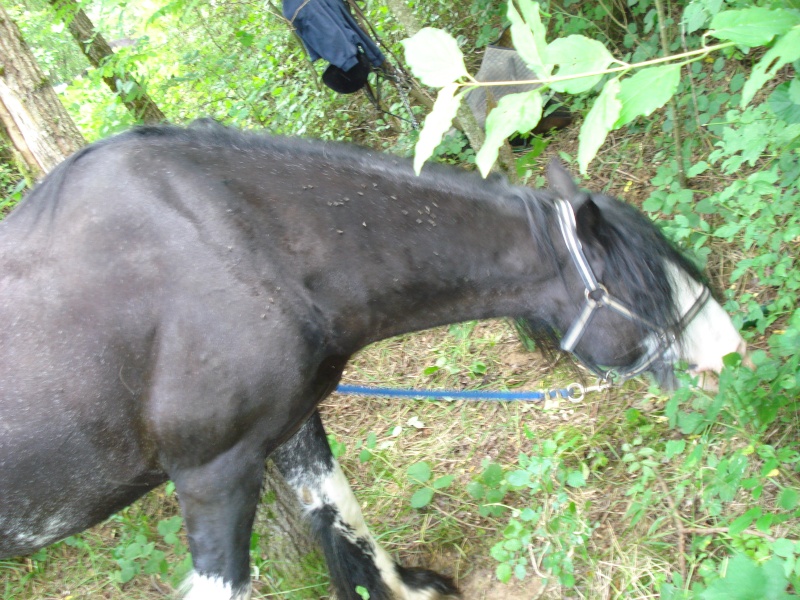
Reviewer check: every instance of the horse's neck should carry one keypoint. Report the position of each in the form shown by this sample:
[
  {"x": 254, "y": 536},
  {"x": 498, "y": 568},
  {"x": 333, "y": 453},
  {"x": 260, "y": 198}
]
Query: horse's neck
[{"x": 421, "y": 263}]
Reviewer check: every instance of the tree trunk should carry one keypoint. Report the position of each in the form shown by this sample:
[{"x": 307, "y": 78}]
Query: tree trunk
[
  {"x": 286, "y": 542},
  {"x": 96, "y": 49},
  {"x": 37, "y": 123}
]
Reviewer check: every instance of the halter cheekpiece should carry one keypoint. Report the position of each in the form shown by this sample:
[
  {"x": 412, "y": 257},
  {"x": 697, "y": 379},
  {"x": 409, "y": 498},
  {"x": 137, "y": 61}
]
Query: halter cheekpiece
[{"x": 597, "y": 297}]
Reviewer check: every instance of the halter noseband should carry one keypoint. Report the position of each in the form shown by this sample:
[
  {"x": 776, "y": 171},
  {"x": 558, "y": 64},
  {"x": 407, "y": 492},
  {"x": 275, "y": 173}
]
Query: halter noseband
[{"x": 597, "y": 296}]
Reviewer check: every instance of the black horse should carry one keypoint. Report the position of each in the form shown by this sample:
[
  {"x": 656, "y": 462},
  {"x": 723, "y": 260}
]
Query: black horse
[{"x": 175, "y": 303}]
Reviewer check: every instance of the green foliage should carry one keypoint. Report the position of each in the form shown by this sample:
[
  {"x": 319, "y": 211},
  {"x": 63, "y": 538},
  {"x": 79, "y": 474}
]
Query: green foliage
[
  {"x": 576, "y": 64},
  {"x": 553, "y": 528},
  {"x": 420, "y": 474},
  {"x": 140, "y": 552}
]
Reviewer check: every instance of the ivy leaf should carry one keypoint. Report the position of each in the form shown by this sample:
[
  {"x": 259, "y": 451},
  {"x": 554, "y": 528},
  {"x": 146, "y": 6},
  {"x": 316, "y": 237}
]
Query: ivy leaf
[
  {"x": 752, "y": 26},
  {"x": 419, "y": 472},
  {"x": 576, "y": 54},
  {"x": 646, "y": 91},
  {"x": 598, "y": 123},
  {"x": 783, "y": 104},
  {"x": 434, "y": 57},
  {"x": 422, "y": 498},
  {"x": 514, "y": 113},
  {"x": 785, "y": 50},
  {"x": 529, "y": 36},
  {"x": 436, "y": 124}
]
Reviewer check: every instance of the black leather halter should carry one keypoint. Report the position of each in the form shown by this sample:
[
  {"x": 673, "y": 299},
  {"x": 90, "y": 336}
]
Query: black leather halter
[{"x": 597, "y": 297}]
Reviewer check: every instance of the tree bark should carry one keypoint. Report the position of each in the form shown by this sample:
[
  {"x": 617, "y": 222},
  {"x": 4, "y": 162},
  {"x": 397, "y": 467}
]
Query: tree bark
[
  {"x": 96, "y": 49},
  {"x": 37, "y": 123},
  {"x": 288, "y": 539}
]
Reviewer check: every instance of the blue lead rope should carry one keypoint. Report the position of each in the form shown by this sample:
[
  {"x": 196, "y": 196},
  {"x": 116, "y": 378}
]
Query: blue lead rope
[{"x": 458, "y": 394}]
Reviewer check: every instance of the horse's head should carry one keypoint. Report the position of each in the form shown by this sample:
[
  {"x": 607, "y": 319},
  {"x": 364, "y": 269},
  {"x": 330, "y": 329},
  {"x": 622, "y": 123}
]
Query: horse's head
[{"x": 635, "y": 303}]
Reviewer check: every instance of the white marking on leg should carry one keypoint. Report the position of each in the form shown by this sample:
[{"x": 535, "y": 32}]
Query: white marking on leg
[
  {"x": 711, "y": 334},
  {"x": 333, "y": 489},
  {"x": 201, "y": 587}
]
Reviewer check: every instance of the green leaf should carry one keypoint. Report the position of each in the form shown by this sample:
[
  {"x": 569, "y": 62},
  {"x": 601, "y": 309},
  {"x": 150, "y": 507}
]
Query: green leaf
[
  {"x": 514, "y": 113},
  {"x": 504, "y": 571},
  {"x": 492, "y": 475},
  {"x": 752, "y": 26},
  {"x": 519, "y": 478},
  {"x": 783, "y": 547},
  {"x": 785, "y": 50},
  {"x": 598, "y": 123},
  {"x": 694, "y": 16},
  {"x": 362, "y": 592},
  {"x": 476, "y": 490},
  {"x": 434, "y": 57},
  {"x": 576, "y": 479},
  {"x": 788, "y": 498},
  {"x": 743, "y": 522},
  {"x": 574, "y": 55},
  {"x": 442, "y": 482},
  {"x": 698, "y": 169},
  {"x": 436, "y": 124},
  {"x": 673, "y": 448},
  {"x": 646, "y": 91},
  {"x": 419, "y": 472},
  {"x": 784, "y": 103},
  {"x": 746, "y": 580},
  {"x": 529, "y": 36},
  {"x": 422, "y": 498}
]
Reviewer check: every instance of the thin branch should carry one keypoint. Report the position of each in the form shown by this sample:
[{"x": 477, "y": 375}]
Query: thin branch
[{"x": 693, "y": 55}]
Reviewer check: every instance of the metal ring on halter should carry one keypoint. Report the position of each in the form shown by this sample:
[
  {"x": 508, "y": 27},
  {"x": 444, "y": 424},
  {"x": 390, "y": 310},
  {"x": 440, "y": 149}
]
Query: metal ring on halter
[
  {"x": 601, "y": 301},
  {"x": 576, "y": 392}
]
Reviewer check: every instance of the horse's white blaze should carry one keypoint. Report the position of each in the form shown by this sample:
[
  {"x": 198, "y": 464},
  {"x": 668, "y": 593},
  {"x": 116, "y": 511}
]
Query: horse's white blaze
[
  {"x": 333, "y": 489},
  {"x": 201, "y": 587},
  {"x": 711, "y": 334}
]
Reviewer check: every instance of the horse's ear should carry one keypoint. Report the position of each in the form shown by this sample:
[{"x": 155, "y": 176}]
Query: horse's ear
[
  {"x": 587, "y": 218},
  {"x": 587, "y": 213},
  {"x": 561, "y": 182}
]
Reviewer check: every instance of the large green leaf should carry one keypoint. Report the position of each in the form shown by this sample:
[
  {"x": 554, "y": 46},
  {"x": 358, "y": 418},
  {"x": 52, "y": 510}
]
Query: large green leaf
[
  {"x": 752, "y": 26},
  {"x": 529, "y": 36},
  {"x": 746, "y": 580},
  {"x": 434, "y": 57},
  {"x": 785, "y": 50},
  {"x": 436, "y": 124},
  {"x": 646, "y": 91},
  {"x": 575, "y": 55},
  {"x": 598, "y": 123},
  {"x": 514, "y": 113}
]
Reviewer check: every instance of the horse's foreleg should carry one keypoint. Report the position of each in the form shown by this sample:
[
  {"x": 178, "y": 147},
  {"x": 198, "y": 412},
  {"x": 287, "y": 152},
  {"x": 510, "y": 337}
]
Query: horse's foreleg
[
  {"x": 219, "y": 502},
  {"x": 354, "y": 557}
]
